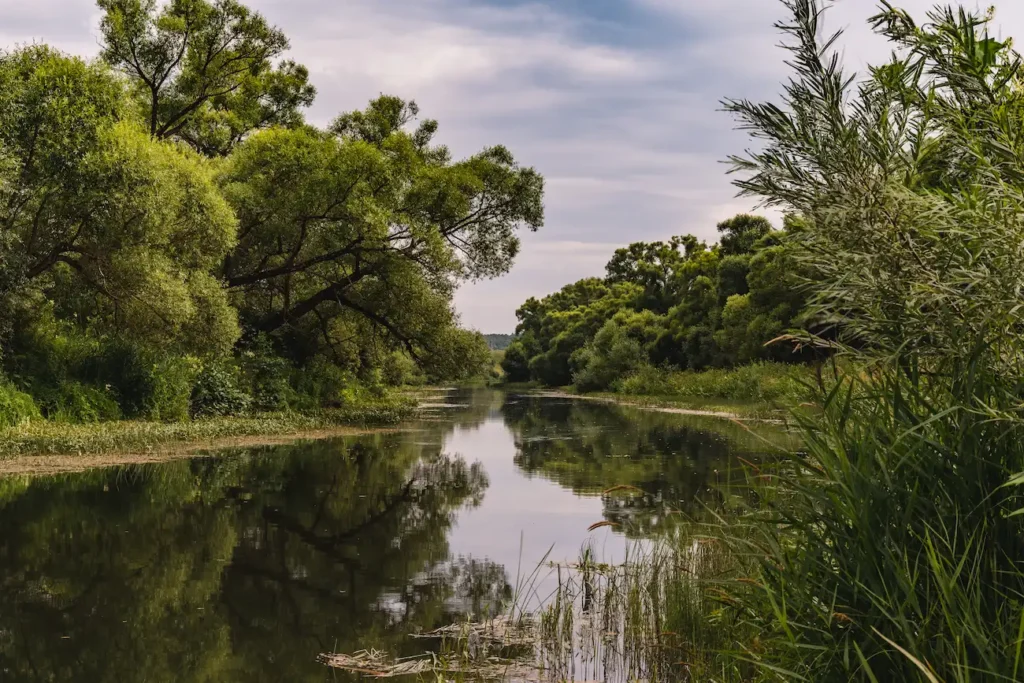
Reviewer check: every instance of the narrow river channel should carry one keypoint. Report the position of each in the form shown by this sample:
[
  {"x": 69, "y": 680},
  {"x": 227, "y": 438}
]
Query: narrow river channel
[{"x": 248, "y": 565}]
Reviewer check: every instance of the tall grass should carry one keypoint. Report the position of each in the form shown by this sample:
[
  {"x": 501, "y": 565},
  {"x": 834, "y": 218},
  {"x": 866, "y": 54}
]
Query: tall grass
[
  {"x": 758, "y": 382},
  {"x": 650, "y": 617},
  {"x": 889, "y": 550},
  {"x": 57, "y": 438}
]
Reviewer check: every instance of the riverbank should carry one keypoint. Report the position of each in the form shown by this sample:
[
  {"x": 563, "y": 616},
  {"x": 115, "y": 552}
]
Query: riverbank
[
  {"x": 760, "y": 391},
  {"x": 138, "y": 441},
  {"x": 761, "y": 412}
]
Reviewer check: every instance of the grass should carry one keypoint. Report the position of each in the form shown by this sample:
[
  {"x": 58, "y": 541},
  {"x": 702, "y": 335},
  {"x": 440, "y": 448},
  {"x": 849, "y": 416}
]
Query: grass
[
  {"x": 54, "y": 438},
  {"x": 756, "y": 391},
  {"x": 654, "y": 616},
  {"x": 758, "y": 383}
]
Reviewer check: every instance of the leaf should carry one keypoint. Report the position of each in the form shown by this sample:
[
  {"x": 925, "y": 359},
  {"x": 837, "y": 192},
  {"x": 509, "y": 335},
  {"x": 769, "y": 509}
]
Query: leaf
[{"x": 927, "y": 670}]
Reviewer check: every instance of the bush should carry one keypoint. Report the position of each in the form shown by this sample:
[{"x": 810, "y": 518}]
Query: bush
[
  {"x": 217, "y": 393},
  {"x": 516, "y": 362},
  {"x": 267, "y": 377},
  {"x": 603, "y": 363},
  {"x": 77, "y": 402},
  {"x": 172, "y": 381},
  {"x": 320, "y": 384},
  {"x": 762, "y": 382},
  {"x": 401, "y": 370},
  {"x": 74, "y": 373},
  {"x": 16, "y": 407}
]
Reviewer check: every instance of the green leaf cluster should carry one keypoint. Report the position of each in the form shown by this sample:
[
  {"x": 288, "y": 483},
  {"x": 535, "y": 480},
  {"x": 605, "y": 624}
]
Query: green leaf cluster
[
  {"x": 677, "y": 304},
  {"x": 169, "y": 204}
]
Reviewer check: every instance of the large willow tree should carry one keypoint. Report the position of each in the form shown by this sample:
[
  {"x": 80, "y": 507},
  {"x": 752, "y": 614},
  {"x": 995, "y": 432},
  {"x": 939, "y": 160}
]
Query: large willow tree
[
  {"x": 368, "y": 227},
  {"x": 100, "y": 223},
  {"x": 167, "y": 206}
]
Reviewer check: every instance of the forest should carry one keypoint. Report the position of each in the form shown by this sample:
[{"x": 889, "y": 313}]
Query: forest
[
  {"x": 177, "y": 241},
  {"x": 664, "y": 306}
]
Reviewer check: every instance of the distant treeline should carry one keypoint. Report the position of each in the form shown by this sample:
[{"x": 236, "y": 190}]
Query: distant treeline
[
  {"x": 679, "y": 304},
  {"x": 499, "y": 342}
]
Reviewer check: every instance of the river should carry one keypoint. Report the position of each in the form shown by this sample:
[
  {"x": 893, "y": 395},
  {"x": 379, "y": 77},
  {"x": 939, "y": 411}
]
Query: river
[{"x": 248, "y": 565}]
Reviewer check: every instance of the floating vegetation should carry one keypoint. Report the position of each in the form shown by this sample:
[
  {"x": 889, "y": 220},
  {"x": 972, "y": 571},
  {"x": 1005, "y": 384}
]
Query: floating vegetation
[
  {"x": 376, "y": 664},
  {"x": 652, "y": 617}
]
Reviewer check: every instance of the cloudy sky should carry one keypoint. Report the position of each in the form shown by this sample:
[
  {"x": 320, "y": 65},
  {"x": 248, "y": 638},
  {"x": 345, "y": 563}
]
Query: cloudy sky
[{"x": 614, "y": 101}]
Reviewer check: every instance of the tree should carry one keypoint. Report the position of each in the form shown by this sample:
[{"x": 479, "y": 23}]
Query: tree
[
  {"x": 203, "y": 71},
  {"x": 740, "y": 234},
  {"x": 120, "y": 231},
  {"x": 650, "y": 265},
  {"x": 369, "y": 224}
]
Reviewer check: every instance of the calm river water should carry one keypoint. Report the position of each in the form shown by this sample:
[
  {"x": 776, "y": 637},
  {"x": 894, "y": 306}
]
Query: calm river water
[{"x": 246, "y": 566}]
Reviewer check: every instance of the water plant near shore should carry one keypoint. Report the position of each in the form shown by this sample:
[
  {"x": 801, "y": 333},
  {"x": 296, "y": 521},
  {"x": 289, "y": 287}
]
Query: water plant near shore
[
  {"x": 43, "y": 437},
  {"x": 889, "y": 550}
]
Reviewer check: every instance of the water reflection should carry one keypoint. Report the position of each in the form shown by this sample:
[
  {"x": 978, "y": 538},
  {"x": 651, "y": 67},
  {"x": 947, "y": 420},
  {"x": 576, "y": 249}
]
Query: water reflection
[
  {"x": 647, "y": 466},
  {"x": 247, "y": 566}
]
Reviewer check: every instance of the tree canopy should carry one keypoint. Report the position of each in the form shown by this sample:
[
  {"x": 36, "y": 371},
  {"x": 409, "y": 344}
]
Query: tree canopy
[
  {"x": 167, "y": 206},
  {"x": 204, "y": 72},
  {"x": 676, "y": 304}
]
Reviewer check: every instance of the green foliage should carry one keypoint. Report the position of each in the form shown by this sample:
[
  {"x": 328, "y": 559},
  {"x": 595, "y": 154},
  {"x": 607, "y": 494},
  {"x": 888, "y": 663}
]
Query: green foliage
[
  {"x": 217, "y": 392},
  {"x": 699, "y": 308},
  {"x": 202, "y": 71},
  {"x": 516, "y": 362},
  {"x": 462, "y": 355},
  {"x": 890, "y": 550},
  {"x": 401, "y": 370},
  {"x": 117, "y": 229},
  {"x": 620, "y": 347},
  {"x": 397, "y": 225},
  {"x": 16, "y": 407},
  {"x": 80, "y": 403},
  {"x": 762, "y": 382},
  {"x": 173, "y": 380},
  {"x": 740, "y": 234},
  {"x": 267, "y": 377},
  {"x": 167, "y": 209}
]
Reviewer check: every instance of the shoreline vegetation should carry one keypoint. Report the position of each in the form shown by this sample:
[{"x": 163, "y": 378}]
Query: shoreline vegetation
[
  {"x": 135, "y": 437},
  {"x": 759, "y": 391},
  {"x": 179, "y": 245}
]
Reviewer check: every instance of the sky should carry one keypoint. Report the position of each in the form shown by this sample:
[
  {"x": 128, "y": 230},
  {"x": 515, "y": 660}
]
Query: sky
[{"x": 615, "y": 102}]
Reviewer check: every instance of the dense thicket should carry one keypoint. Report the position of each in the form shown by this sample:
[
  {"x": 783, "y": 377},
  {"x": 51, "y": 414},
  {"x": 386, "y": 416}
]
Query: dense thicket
[
  {"x": 891, "y": 549},
  {"x": 677, "y": 304},
  {"x": 171, "y": 229}
]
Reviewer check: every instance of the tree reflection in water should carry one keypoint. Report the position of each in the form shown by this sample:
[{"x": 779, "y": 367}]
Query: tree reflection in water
[
  {"x": 237, "y": 568},
  {"x": 661, "y": 463},
  {"x": 246, "y": 567}
]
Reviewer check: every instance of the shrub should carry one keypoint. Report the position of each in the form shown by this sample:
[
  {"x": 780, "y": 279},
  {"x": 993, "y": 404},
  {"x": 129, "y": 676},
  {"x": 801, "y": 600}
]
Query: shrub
[
  {"x": 217, "y": 393},
  {"x": 762, "y": 382},
  {"x": 172, "y": 381},
  {"x": 16, "y": 407},
  {"x": 77, "y": 402},
  {"x": 267, "y": 378},
  {"x": 319, "y": 384},
  {"x": 609, "y": 358},
  {"x": 401, "y": 370}
]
